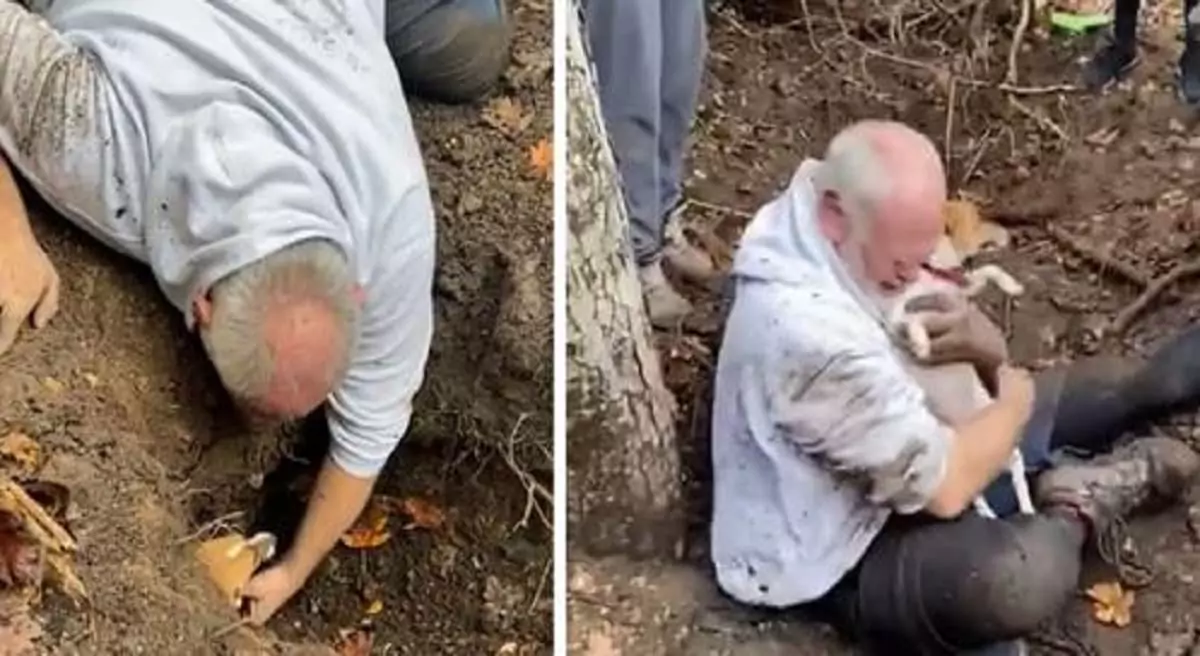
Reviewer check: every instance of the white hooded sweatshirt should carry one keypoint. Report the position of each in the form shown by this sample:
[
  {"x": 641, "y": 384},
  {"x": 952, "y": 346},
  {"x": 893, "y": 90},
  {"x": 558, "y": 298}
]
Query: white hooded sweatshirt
[
  {"x": 237, "y": 128},
  {"x": 818, "y": 432}
]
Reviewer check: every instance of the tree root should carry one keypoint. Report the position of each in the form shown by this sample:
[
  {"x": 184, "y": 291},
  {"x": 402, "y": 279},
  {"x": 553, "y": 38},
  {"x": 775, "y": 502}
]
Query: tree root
[{"x": 1126, "y": 317}]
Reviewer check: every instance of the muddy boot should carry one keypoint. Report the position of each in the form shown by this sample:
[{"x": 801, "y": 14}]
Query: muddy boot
[
  {"x": 665, "y": 307},
  {"x": 1106, "y": 489},
  {"x": 1109, "y": 64},
  {"x": 691, "y": 262}
]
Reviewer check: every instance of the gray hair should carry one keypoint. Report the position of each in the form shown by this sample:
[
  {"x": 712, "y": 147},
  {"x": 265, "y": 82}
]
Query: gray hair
[
  {"x": 852, "y": 168},
  {"x": 314, "y": 270}
]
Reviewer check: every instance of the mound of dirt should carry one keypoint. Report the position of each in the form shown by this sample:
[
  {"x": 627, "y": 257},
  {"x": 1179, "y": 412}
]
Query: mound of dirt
[{"x": 130, "y": 416}]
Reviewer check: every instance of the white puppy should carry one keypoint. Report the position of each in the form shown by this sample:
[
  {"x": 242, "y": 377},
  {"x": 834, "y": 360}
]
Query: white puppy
[{"x": 954, "y": 391}]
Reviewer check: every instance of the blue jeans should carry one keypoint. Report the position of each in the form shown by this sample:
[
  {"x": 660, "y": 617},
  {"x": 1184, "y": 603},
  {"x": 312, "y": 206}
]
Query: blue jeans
[
  {"x": 1035, "y": 445},
  {"x": 448, "y": 50},
  {"x": 649, "y": 58}
]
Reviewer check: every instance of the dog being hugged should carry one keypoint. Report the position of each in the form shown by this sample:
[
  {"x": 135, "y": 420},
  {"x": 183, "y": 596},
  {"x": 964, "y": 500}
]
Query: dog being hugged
[{"x": 954, "y": 391}]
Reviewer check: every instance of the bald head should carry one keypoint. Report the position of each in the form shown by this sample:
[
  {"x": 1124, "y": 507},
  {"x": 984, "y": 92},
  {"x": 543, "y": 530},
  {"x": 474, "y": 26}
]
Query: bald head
[
  {"x": 881, "y": 190},
  {"x": 280, "y": 331}
]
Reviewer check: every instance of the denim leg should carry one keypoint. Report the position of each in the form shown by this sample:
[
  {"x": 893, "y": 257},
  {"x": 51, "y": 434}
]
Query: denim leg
[
  {"x": 448, "y": 50},
  {"x": 1035, "y": 445},
  {"x": 625, "y": 40},
  {"x": 685, "y": 43}
]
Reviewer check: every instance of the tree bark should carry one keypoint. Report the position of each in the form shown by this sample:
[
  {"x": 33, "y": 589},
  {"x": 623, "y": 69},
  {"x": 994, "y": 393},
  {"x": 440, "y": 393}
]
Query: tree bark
[{"x": 623, "y": 463}]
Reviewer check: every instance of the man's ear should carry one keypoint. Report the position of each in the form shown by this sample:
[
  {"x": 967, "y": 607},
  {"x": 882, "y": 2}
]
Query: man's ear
[
  {"x": 832, "y": 217},
  {"x": 358, "y": 294},
  {"x": 202, "y": 310}
]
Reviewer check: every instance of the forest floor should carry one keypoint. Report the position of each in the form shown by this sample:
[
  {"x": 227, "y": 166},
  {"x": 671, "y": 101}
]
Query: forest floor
[
  {"x": 1113, "y": 173},
  {"x": 127, "y": 415}
]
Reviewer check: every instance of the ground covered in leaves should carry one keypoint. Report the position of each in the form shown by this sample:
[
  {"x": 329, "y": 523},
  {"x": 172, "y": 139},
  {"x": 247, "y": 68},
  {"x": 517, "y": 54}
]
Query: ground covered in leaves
[
  {"x": 113, "y": 421},
  {"x": 1096, "y": 190}
]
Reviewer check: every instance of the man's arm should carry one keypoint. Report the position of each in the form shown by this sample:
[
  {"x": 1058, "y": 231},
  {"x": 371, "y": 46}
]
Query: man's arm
[{"x": 860, "y": 414}]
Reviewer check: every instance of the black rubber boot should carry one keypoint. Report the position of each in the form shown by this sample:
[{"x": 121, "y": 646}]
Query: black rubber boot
[
  {"x": 1100, "y": 398},
  {"x": 1111, "y": 63}
]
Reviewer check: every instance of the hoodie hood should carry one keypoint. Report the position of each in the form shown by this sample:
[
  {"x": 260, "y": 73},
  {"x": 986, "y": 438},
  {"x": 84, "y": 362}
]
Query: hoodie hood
[{"x": 784, "y": 244}]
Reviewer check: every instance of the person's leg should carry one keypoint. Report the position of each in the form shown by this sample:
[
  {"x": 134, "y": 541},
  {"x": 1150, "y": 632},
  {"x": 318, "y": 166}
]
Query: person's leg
[
  {"x": 56, "y": 126},
  {"x": 1189, "y": 61},
  {"x": 625, "y": 40},
  {"x": 684, "y": 44},
  {"x": 448, "y": 50},
  {"x": 1119, "y": 54}
]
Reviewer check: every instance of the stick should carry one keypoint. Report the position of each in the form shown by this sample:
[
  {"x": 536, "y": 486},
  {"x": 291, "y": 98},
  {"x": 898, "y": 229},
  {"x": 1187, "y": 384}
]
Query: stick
[
  {"x": 223, "y": 520},
  {"x": 1015, "y": 48},
  {"x": 1127, "y": 316},
  {"x": 947, "y": 155},
  {"x": 1105, "y": 261},
  {"x": 1043, "y": 121}
]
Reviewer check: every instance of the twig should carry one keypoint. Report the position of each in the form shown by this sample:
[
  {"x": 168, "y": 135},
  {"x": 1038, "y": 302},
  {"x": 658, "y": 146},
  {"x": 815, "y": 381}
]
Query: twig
[
  {"x": 808, "y": 24},
  {"x": 1127, "y": 316},
  {"x": 533, "y": 489},
  {"x": 230, "y": 628},
  {"x": 223, "y": 520},
  {"x": 742, "y": 214},
  {"x": 1105, "y": 261},
  {"x": 537, "y": 594},
  {"x": 947, "y": 155},
  {"x": 1015, "y": 48},
  {"x": 1044, "y": 121}
]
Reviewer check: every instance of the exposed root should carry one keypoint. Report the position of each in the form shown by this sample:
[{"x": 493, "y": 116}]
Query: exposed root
[
  {"x": 1105, "y": 261},
  {"x": 536, "y": 494},
  {"x": 1131, "y": 312}
]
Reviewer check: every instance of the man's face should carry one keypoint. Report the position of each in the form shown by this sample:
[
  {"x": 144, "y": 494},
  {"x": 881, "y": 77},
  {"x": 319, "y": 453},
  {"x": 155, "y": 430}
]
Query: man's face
[{"x": 887, "y": 253}]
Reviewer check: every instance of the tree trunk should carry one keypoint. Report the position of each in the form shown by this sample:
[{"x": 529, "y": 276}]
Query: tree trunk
[{"x": 623, "y": 464}]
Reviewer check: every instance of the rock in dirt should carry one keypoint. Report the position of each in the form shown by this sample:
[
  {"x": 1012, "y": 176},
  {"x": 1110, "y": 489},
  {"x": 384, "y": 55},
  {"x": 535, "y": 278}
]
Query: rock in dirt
[{"x": 1178, "y": 643}]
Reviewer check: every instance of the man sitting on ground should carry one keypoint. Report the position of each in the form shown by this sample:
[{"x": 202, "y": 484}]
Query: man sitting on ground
[
  {"x": 836, "y": 486},
  {"x": 261, "y": 159}
]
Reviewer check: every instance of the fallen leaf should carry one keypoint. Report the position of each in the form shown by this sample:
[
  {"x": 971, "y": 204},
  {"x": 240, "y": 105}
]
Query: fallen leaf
[
  {"x": 53, "y": 385},
  {"x": 358, "y": 642},
  {"x": 21, "y": 450},
  {"x": 375, "y": 607},
  {"x": 370, "y": 530},
  {"x": 424, "y": 514},
  {"x": 1111, "y": 604},
  {"x": 507, "y": 649},
  {"x": 969, "y": 231},
  {"x": 506, "y": 115},
  {"x": 541, "y": 157}
]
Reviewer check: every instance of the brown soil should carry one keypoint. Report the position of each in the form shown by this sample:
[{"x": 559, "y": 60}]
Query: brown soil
[
  {"x": 130, "y": 417},
  {"x": 775, "y": 94}
]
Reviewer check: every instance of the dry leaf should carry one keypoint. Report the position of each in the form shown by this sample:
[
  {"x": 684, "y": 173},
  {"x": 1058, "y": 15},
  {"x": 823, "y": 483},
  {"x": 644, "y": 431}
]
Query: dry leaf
[
  {"x": 1111, "y": 604},
  {"x": 370, "y": 531},
  {"x": 231, "y": 560},
  {"x": 53, "y": 385},
  {"x": 969, "y": 231},
  {"x": 21, "y": 450},
  {"x": 506, "y": 115},
  {"x": 358, "y": 642},
  {"x": 375, "y": 607},
  {"x": 424, "y": 514},
  {"x": 541, "y": 157}
]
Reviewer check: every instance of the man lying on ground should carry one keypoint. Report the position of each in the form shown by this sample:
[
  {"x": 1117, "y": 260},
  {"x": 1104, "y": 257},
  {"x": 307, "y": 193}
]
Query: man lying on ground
[
  {"x": 834, "y": 485},
  {"x": 261, "y": 159}
]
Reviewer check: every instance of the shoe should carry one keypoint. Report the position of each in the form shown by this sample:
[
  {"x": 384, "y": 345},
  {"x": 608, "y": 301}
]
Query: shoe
[
  {"x": 692, "y": 263},
  {"x": 665, "y": 306},
  {"x": 1109, "y": 64},
  {"x": 1010, "y": 648},
  {"x": 1188, "y": 75},
  {"x": 1106, "y": 489}
]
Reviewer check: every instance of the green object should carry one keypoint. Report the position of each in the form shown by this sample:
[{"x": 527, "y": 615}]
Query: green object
[{"x": 1078, "y": 23}]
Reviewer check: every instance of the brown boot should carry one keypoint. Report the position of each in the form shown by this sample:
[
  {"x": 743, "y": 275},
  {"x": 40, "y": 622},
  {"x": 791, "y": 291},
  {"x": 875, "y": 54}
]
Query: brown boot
[{"x": 1106, "y": 489}]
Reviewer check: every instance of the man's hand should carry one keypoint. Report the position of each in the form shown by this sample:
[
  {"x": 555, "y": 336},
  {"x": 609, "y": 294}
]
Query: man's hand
[
  {"x": 960, "y": 332},
  {"x": 270, "y": 589},
  {"x": 28, "y": 285}
]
